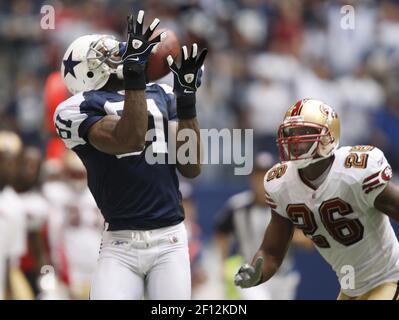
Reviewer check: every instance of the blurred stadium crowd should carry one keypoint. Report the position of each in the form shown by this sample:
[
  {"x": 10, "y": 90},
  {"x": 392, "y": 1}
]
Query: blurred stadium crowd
[{"x": 263, "y": 56}]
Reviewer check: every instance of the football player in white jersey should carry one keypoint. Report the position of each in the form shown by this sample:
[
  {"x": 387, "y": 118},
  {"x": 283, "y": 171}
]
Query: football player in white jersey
[
  {"x": 13, "y": 222},
  {"x": 341, "y": 198}
]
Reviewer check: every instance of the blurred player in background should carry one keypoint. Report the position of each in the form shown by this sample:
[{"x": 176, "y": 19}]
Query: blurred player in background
[
  {"x": 341, "y": 198},
  {"x": 82, "y": 226},
  {"x": 75, "y": 226},
  {"x": 243, "y": 222},
  {"x": 12, "y": 214},
  {"x": 144, "y": 247},
  {"x": 37, "y": 210},
  {"x": 195, "y": 245}
]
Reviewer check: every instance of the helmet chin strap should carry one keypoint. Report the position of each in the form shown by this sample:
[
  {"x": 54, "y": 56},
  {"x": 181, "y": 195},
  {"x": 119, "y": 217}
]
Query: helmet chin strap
[{"x": 119, "y": 71}]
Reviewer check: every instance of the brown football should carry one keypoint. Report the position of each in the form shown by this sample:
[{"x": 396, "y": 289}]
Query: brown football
[{"x": 157, "y": 66}]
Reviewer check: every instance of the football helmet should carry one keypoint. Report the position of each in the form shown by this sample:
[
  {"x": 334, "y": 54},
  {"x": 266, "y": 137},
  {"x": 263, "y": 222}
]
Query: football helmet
[
  {"x": 89, "y": 61},
  {"x": 10, "y": 143},
  {"x": 309, "y": 133}
]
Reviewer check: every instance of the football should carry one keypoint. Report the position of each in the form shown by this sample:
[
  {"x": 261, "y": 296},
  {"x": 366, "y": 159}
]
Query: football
[{"x": 157, "y": 66}]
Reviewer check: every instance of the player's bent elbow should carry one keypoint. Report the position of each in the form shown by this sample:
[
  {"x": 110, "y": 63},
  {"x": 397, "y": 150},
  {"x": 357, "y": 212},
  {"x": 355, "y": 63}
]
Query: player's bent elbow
[
  {"x": 134, "y": 142},
  {"x": 104, "y": 137},
  {"x": 132, "y": 147},
  {"x": 130, "y": 144},
  {"x": 137, "y": 147}
]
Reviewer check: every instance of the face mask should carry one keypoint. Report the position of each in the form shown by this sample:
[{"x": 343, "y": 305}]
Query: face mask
[
  {"x": 300, "y": 164},
  {"x": 104, "y": 50}
]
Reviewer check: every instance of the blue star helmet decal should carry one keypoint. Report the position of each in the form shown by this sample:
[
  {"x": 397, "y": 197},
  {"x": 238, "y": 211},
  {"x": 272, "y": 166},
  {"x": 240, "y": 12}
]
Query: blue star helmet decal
[{"x": 69, "y": 64}]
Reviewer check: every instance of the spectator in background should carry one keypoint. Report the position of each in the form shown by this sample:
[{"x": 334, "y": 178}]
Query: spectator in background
[
  {"x": 26, "y": 112},
  {"x": 362, "y": 97},
  {"x": 346, "y": 47},
  {"x": 386, "y": 130},
  {"x": 263, "y": 99},
  {"x": 243, "y": 221}
]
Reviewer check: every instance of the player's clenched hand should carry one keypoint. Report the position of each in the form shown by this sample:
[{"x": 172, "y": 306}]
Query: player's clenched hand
[
  {"x": 187, "y": 78},
  {"x": 249, "y": 276}
]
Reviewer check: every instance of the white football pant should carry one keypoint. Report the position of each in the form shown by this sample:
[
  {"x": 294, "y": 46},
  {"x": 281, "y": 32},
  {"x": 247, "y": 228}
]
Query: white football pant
[{"x": 153, "y": 263}]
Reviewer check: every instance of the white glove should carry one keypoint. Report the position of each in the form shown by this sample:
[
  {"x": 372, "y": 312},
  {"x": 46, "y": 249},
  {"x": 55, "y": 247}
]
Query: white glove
[{"x": 248, "y": 276}]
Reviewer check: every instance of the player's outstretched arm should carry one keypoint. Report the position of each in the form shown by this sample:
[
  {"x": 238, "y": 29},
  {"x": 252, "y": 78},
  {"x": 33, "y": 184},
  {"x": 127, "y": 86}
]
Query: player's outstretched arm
[
  {"x": 388, "y": 201},
  {"x": 270, "y": 255},
  {"x": 117, "y": 135},
  {"x": 187, "y": 79}
]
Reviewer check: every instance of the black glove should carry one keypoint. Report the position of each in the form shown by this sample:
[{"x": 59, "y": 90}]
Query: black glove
[
  {"x": 187, "y": 79},
  {"x": 138, "y": 49},
  {"x": 249, "y": 276}
]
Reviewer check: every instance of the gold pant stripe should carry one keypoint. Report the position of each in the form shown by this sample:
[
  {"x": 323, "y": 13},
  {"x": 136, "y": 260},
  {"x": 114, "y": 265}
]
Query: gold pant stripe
[
  {"x": 396, "y": 296},
  {"x": 385, "y": 291}
]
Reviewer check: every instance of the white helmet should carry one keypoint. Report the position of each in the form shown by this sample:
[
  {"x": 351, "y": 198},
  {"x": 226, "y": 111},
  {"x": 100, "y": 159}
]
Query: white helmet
[{"x": 89, "y": 62}]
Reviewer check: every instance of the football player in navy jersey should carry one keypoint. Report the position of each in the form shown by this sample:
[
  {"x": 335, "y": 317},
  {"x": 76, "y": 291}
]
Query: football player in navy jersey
[{"x": 144, "y": 248}]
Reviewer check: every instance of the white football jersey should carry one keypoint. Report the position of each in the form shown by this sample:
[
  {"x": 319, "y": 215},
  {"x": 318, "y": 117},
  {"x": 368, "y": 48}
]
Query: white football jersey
[
  {"x": 76, "y": 224},
  {"x": 339, "y": 216},
  {"x": 13, "y": 232}
]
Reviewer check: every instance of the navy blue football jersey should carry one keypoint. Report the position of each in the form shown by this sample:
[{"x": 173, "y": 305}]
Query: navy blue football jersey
[{"x": 131, "y": 193}]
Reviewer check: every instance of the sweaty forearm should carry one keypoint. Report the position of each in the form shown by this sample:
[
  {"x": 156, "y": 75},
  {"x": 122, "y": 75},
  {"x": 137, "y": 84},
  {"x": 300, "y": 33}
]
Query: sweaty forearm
[
  {"x": 193, "y": 139},
  {"x": 132, "y": 126}
]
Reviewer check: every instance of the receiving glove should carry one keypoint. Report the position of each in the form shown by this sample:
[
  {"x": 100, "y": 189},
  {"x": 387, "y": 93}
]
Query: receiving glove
[
  {"x": 137, "y": 50},
  {"x": 248, "y": 276},
  {"x": 187, "y": 79}
]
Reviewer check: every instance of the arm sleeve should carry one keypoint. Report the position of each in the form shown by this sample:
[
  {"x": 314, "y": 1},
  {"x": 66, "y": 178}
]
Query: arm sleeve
[
  {"x": 271, "y": 197},
  {"x": 73, "y": 122},
  {"x": 373, "y": 180}
]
